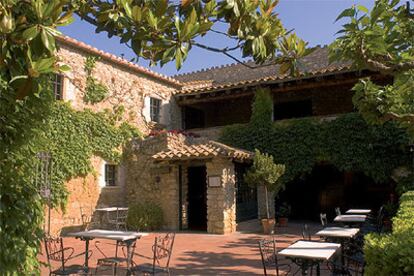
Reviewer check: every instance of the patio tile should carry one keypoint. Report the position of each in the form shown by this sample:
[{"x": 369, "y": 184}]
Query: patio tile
[{"x": 204, "y": 254}]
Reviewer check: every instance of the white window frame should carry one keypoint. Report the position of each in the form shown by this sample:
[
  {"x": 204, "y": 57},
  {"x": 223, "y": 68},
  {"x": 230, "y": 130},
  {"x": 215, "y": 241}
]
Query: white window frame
[{"x": 155, "y": 105}]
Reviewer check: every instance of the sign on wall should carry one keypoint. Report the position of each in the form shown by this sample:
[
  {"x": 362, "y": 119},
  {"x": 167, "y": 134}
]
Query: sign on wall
[{"x": 214, "y": 181}]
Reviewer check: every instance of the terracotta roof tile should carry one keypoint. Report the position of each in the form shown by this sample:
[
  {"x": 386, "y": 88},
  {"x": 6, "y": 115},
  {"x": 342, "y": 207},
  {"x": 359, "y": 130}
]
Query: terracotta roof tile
[
  {"x": 203, "y": 150},
  {"x": 234, "y": 75},
  {"x": 117, "y": 60}
]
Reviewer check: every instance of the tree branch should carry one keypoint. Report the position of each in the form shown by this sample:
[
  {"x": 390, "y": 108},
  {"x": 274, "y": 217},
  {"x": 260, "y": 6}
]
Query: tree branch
[{"x": 381, "y": 67}]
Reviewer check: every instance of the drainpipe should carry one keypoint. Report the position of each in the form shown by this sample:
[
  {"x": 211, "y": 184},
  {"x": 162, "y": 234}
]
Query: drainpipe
[{"x": 180, "y": 199}]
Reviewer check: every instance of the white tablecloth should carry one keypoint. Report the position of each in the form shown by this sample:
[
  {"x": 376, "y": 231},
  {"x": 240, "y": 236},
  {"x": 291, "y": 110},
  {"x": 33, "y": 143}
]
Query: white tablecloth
[
  {"x": 350, "y": 218},
  {"x": 311, "y": 250},
  {"x": 338, "y": 232}
]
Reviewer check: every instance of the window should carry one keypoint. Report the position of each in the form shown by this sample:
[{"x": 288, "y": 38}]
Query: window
[
  {"x": 57, "y": 86},
  {"x": 155, "y": 109},
  {"x": 289, "y": 110},
  {"x": 110, "y": 175}
]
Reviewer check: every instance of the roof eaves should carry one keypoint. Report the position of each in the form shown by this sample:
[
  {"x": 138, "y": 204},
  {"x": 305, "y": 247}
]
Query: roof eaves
[
  {"x": 266, "y": 80},
  {"x": 118, "y": 60}
]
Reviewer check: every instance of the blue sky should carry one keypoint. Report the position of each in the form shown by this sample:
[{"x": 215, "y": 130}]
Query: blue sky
[{"x": 312, "y": 20}]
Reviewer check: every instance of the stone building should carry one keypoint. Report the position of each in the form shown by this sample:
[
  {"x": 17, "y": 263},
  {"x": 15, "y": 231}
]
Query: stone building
[{"x": 197, "y": 181}]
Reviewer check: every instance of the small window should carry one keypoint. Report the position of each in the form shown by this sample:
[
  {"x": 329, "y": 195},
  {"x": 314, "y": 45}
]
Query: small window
[
  {"x": 110, "y": 175},
  {"x": 57, "y": 86},
  {"x": 155, "y": 109},
  {"x": 289, "y": 110}
]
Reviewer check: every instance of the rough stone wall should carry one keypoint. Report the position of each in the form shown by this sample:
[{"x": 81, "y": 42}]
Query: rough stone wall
[
  {"x": 126, "y": 88},
  {"x": 148, "y": 181},
  {"x": 221, "y": 201},
  {"x": 86, "y": 193}
]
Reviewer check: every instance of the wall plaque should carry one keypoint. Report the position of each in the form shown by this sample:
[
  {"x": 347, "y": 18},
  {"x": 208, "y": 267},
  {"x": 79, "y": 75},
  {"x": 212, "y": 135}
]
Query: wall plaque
[{"x": 214, "y": 181}]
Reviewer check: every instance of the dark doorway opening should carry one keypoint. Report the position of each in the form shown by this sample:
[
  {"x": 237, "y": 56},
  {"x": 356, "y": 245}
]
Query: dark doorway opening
[
  {"x": 326, "y": 188},
  {"x": 197, "y": 198},
  {"x": 246, "y": 196}
]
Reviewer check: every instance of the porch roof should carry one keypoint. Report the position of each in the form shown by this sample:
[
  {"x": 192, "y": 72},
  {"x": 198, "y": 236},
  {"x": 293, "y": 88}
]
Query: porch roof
[{"x": 203, "y": 151}]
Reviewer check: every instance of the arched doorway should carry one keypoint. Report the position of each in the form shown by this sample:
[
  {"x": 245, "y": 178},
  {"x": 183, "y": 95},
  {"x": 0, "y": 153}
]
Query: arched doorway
[{"x": 326, "y": 188}]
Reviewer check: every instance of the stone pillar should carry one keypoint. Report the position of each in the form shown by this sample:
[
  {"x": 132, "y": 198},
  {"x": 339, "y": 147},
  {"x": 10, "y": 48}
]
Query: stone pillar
[
  {"x": 261, "y": 202},
  {"x": 221, "y": 201}
]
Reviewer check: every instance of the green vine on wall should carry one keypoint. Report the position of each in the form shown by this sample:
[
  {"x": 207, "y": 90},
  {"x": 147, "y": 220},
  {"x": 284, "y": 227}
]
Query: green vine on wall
[
  {"x": 347, "y": 142},
  {"x": 73, "y": 137},
  {"x": 95, "y": 91}
]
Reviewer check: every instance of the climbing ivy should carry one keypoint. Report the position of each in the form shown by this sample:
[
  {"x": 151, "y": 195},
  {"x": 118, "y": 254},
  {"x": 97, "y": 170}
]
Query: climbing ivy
[
  {"x": 95, "y": 91},
  {"x": 347, "y": 142},
  {"x": 73, "y": 137}
]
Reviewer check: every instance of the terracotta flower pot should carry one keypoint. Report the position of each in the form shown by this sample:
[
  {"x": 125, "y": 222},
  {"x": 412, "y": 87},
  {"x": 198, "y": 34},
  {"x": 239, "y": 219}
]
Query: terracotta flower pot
[
  {"x": 268, "y": 226},
  {"x": 283, "y": 222}
]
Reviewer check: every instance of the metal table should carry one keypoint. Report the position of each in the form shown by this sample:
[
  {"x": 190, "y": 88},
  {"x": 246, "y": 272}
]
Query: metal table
[
  {"x": 308, "y": 253},
  {"x": 358, "y": 211},
  {"x": 341, "y": 234},
  {"x": 120, "y": 236}
]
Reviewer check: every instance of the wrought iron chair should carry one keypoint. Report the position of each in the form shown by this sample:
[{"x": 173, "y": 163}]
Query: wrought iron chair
[
  {"x": 374, "y": 224},
  {"x": 162, "y": 251},
  {"x": 305, "y": 233},
  {"x": 324, "y": 220},
  {"x": 55, "y": 251},
  {"x": 117, "y": 219},
  {"x": 113, "y": 262},
  {"x": 352, "y": 266},
  {"x": 338, "y": 211},
  {"x": 268, "y": 251},
  {"x": 87, "y": 217}
]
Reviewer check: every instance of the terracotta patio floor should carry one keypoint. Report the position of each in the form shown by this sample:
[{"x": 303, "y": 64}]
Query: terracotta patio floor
[{"x": 205, "y": 254}]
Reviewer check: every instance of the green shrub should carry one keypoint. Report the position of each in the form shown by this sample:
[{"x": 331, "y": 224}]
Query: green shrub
[
  {"x": 393, "y": 254},
  {"x": 145, "y": 216}
]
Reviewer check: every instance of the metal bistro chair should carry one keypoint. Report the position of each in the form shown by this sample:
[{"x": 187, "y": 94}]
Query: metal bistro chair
[
  {"x": 55, "y": 251},
  {"x": 114, "y": 262},
  {"x": 324, "y": 220},
  {"x": 87, "y": 217},
  {"x": 117, "y": 219},
  {"x": 338, "y": 211},
  {"x": 268, "y": 251},
  {"x": 162, "y": 250},
  {"x": 305, "y": 233}
]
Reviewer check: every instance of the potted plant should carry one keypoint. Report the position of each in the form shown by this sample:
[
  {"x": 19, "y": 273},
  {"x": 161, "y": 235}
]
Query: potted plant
[
  {"x": 264, "y": 172},
  {"x": 282, "y": 214}
]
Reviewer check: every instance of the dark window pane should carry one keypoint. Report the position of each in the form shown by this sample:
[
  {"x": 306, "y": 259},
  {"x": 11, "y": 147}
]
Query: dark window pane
[
  {"x": 110, "y": 175},
  {"x": 193, "y": 118},
  {"x": 57, "y": 86},
  {"x": 288, "y": 110},
  {"x": 155, "y": 109}
]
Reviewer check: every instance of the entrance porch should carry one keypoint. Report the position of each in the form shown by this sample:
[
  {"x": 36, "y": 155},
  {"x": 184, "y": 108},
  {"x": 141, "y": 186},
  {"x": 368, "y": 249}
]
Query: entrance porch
[{"x": 197, "y": 183}]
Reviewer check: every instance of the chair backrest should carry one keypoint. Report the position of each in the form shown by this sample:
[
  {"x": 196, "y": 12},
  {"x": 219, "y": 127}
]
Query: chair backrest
[
  {"x": 380, "y": 218},
  {"x": 112, "y": 217},
  {"x": 268, "y": 252},
  {"x": 162, "y": 250},
  {"x": 86, "y": 215},
  {"x": 121, "y": 215},
  {"x": 305, "y": 232},
  {"x": 324, "y": 220},
  {"x": 338, "y": 211},
  {"x": 54, "y": 250}
]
